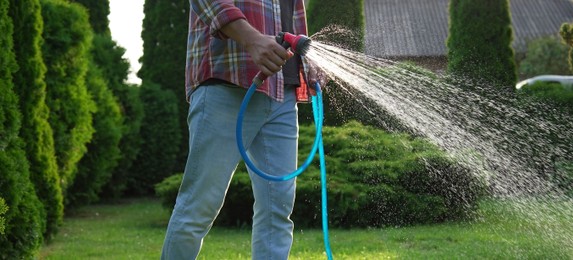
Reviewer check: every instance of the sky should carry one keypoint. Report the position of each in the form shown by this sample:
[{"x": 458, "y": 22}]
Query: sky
[{"x": 125, "y": 22}]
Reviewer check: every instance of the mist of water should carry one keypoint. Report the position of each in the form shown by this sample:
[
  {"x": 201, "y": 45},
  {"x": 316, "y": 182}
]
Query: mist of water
[{"x": 515, "y": 144}]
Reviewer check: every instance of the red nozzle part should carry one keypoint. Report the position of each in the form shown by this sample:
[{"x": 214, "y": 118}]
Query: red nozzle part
[{"x": 298, "y": 43}]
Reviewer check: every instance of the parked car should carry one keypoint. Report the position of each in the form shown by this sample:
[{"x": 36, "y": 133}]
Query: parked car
[{"x": 566, "y": 81}]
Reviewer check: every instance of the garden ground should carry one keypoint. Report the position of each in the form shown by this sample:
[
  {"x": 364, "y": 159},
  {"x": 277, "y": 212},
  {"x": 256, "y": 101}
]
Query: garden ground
[{"x": 134, "y": 229}]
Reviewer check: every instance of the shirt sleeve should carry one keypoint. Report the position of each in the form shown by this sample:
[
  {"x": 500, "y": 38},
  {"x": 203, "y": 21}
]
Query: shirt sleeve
[{"x": 216, "y": 14}]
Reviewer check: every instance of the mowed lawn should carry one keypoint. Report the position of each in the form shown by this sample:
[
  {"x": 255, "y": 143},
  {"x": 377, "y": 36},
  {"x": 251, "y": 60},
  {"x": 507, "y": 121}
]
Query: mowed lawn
[{"x": 134, "y": 229}]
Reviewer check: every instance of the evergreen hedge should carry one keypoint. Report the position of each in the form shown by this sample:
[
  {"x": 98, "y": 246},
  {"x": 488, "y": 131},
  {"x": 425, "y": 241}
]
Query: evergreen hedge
[
  {"x": 545, "y": 56},
  {"x": 479, "y": 42},
  {"x": 24, "y": 221},
  {"x": 566, "y": 33},
  {"x": 67, "y": 36},
  {"x": 3, "y": 210},
  {"x": 160, "y": 135},
  {"x": 342, "y": 22},
  {"x": 95, "y": 168},
  {"x": 558, "y": 99},
  {"x": 108, "y": 57},
  {"x": 164, "y": 37},
  {"x": 115, "y": 69},
  {"x": 31, "y": 89},
  {"x": 374, "y": 179}
]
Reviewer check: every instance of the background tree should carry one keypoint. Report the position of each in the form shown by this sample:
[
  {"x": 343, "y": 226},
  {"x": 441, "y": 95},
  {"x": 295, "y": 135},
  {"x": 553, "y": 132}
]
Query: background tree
[
  {"x": 479, "y": 42},
  {"x": 164, "y": 36},
  {"x": 24, "y": 220},
  {"x": 114, "y": 69},
  {"x": 67, "y": 35},
  {"x": 31, "y": 89},
  {"x": 566, "y": 32},
  {"x": 159, "y": 132},
  {"x": 343, "y": 22},
  {"x": 545, "y": 56},
  {"x": 95, "y": 168}
]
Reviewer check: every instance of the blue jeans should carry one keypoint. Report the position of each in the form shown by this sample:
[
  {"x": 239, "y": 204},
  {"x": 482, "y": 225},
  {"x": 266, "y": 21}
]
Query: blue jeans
[{"x": 270, "y": 133}]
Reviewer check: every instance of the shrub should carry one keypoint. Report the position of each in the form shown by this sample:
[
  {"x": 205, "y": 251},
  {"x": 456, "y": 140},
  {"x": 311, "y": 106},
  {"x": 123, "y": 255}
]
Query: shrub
[
  {"x": 164, "y": 38},
  {"x": 67, "y": 37},
  {"x": 342, "y": 22},
  {"x": 479, "y": 42},
  {"x": 553, "y": 93},
  {"x": 24, "y": 221},
  {"x": 168, "y": 189},
  {"x": 374, "y": 179},
  {"x": 545, "y": 56},
  {"x": 3, "y": 209},
  {"x": 36, "y": 130},
  {"x": 95, "y": 168},
  {"x": 557, "y": 99},
  {"x": 160, "y": 134},
  {"x": 566, "y": 33}
]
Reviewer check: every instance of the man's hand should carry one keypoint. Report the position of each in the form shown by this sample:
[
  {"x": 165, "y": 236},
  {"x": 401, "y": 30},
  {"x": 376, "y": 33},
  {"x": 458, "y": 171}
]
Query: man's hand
[{"x": 265, "y": 51}]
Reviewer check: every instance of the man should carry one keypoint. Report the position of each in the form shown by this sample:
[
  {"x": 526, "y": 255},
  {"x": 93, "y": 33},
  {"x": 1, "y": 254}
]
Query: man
[{"x": 229, "y": 42}]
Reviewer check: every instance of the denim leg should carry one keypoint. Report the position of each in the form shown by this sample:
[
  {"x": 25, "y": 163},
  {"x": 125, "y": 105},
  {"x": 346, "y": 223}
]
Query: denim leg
[
  {"x": 274, "y": 150},
  {"x": 213, "y": 157}
]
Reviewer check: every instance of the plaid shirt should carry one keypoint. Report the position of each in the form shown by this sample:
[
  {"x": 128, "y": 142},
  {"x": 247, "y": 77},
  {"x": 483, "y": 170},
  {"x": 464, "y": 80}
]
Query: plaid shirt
[{"x": 211, "y": 54}]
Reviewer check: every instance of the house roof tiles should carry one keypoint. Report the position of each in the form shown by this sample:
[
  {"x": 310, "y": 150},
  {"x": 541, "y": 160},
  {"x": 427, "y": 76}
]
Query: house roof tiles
[{"x": 418, "y": 28}]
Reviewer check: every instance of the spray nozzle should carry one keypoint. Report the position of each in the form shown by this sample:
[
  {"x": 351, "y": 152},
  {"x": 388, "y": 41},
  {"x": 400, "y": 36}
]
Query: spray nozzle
[{"x": 299, "y": 44}]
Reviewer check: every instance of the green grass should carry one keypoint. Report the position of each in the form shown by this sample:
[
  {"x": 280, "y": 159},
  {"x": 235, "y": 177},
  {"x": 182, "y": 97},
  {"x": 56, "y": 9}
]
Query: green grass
[{"x": 506, "y": 230}]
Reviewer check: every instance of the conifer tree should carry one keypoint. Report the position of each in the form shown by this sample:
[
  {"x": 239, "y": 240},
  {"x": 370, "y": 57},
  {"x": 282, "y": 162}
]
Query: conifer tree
[
  {"x": 112, "y": 71},
  {"x": 566, "y": 32},
  {"x": 31, "y": 89},
  {"x": 24, "y": 219},
  {"x": 164, "y": 36},
  {"x": 479, "y": 42},
  {"x": 67, "y": 38}
]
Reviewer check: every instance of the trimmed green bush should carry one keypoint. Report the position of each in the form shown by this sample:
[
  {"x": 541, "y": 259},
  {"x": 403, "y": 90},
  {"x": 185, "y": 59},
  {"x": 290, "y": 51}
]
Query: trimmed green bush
[
  {"x": 95, "y": 168},
  {"x": 24, "y": 221},
  {"x": 160, "y": 134},
  {"x": 545, "y": 56},
  {"x": 130, "y": 143},
  {"x": 553, "y": 93},
  {"x": 566, "y": 33},
  {"x": 479, "y": 42},
  {"x": 108, "y": 57},
  {"x": 36, "y": 131},
  {"x": 374, "y": 179},
  {"x": 558, "y": 98},
  {"x": 67, "y": 39},
  {"x": 3, "y": 210},
  {"x": 343, "y": 22},
  {"x": 164, "y": 37}
]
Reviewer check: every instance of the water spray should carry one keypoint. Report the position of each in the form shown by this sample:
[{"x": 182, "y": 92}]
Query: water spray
[{"x": 300, "y": 45}]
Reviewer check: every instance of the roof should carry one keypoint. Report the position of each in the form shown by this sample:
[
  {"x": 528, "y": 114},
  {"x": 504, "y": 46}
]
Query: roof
[{"x": 419, "y": 28}]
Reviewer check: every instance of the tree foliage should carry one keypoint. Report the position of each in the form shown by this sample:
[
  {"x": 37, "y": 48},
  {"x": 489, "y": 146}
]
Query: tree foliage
[
  {"x": 159, "y": 132},
  {"x": 95, "y": 168},
  {"x": 479, "y": 42},
  {"x": 343, "y": 22},
  {"x": 164, "y": 36},
  {"x": 24, "y": 220},
  {"x": 375, "y": 179},
  {"x": 545, "y": 56},
  {"x": 98, "y": 13},
  {"x": 115, "y": 69},
  {"x": 566, "y": 33},
  {"x": 67, "y": 34},
  {"x": 31, "y": 89}
]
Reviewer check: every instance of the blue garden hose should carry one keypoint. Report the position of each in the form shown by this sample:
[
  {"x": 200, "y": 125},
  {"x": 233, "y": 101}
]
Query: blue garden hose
[{"x": 318, "y": 113}]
